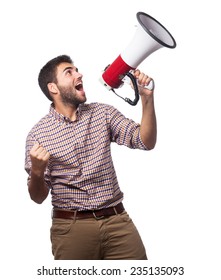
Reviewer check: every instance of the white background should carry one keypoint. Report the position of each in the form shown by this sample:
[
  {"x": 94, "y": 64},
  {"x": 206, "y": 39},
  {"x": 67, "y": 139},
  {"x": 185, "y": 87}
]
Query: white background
[{"x": 171, "y": 192}]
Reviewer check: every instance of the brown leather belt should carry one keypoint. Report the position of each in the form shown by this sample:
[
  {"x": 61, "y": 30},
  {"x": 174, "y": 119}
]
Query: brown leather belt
[{"x": 97, "y": 214}]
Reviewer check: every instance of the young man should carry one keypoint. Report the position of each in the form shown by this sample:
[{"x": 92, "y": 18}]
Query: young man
[{"x": 68, "y": 153}]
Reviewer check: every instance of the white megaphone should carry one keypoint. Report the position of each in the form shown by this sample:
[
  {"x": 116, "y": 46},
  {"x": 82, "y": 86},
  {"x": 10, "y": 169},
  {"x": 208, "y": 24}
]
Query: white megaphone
[{"x": 149, "y": 37}]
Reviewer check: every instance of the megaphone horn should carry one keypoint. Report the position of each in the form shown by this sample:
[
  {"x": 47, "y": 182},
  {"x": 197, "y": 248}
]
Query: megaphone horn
[{"x": 150, "y": 36}]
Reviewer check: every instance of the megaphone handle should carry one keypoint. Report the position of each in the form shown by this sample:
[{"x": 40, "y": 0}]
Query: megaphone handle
[
  {"x": 150, "y": 86},
  {"x": 136, "y": 91},
  {"x": 130, "y": 77}
]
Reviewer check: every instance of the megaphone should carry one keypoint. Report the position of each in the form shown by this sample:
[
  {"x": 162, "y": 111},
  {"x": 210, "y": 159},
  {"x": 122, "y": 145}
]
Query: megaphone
[{"x": 150, "y": 36}]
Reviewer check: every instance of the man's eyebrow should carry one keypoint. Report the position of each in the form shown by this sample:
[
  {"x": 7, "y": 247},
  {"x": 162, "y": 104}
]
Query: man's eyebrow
[
  {"x": 70, "y": 67},
  {"x": 67, "y": 68}
]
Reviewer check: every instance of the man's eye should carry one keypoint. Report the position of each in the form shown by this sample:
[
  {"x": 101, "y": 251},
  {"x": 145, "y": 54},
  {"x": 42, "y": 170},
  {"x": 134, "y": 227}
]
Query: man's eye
[{"x": 69, "y": 72}]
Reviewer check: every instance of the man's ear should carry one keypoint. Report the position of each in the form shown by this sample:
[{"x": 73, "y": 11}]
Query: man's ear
[{"x": 52, "y": 87}]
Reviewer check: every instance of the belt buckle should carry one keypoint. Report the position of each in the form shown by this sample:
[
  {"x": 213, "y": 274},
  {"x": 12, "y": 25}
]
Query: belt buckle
[{"x": 97, "y": 218}]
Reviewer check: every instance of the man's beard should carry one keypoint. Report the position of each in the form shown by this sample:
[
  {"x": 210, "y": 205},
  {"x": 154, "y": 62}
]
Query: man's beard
[{"x": 69, "y": 96}]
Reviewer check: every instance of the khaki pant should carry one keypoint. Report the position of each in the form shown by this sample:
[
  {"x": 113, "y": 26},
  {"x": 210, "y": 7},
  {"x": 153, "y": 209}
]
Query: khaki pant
[{"x": 112, "y": 238}]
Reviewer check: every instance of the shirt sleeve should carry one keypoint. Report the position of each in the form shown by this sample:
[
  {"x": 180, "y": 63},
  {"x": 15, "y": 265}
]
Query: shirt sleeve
[
  {"x": 30, "y": 141},
  {"x": 125, "y": 131}
]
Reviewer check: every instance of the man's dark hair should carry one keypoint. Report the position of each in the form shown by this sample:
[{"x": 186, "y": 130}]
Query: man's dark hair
[{"x": 48, "y": 73}]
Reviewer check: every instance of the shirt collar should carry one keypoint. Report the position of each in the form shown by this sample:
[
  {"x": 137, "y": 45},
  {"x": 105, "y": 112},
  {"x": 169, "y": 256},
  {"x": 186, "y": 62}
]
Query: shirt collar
[{"x": 61, "y": 118}]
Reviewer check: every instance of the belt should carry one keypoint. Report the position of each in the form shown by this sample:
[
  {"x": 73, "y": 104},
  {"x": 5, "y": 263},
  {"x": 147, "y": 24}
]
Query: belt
[{"x": 97, "y": 214}]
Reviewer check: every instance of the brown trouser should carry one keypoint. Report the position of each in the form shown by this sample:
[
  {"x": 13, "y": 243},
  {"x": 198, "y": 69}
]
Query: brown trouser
[{"x": 111, "y": 238}]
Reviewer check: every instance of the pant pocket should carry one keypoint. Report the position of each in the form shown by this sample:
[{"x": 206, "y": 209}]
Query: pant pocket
[{"x": 61, "y": 226}]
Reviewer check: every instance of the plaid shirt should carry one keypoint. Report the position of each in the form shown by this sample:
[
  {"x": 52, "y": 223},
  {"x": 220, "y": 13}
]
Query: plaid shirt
[{"x": 80, "y": 171}]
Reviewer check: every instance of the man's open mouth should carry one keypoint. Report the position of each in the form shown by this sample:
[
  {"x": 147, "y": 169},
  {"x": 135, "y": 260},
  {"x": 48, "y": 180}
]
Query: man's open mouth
[{"x": 79, "y": 87}]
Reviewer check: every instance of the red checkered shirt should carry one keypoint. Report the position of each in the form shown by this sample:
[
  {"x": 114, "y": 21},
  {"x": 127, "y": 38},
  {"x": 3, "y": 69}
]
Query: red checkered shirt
[{"x": 80, "y": 172}]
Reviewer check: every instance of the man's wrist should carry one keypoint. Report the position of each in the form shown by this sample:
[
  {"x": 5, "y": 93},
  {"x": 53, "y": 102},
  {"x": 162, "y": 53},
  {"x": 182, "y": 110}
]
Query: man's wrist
[{"x": 37, "y": 173}]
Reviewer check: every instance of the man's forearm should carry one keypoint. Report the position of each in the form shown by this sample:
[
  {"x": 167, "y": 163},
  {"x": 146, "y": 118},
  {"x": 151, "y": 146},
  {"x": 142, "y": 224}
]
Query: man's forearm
[
  {"x": 148, "y": 129},
  {"x": 37, "y": 188}
]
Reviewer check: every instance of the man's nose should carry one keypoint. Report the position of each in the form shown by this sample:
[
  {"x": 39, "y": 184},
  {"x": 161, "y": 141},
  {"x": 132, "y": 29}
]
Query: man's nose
[{"x": 78, "y": 75}]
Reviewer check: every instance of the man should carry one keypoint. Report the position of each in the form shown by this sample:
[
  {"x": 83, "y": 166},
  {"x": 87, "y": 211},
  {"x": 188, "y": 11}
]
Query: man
[{"x": 68, "y": 153}]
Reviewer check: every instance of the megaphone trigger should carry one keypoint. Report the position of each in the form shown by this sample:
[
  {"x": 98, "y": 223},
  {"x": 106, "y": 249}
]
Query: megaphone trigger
[
  {"x": 151, "y": 85},
  {"x": 127, "y": 80}
]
